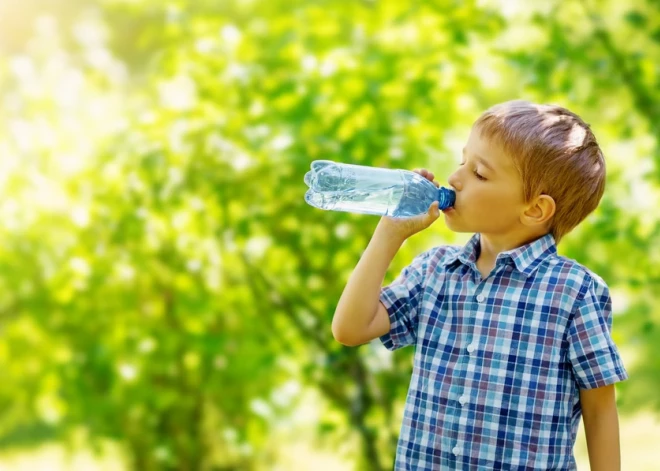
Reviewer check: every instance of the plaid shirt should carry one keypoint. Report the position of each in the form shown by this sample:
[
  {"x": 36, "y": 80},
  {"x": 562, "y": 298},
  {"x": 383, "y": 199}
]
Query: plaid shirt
[{"x": 498, "y": 361}]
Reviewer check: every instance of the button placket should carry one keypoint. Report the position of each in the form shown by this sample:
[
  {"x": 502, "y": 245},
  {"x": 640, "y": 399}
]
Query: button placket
[{"x": 463, "y": 399}]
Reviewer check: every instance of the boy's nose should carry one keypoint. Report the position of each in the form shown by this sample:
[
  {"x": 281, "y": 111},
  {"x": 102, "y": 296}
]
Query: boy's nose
[{"x": 455, "y": 182}]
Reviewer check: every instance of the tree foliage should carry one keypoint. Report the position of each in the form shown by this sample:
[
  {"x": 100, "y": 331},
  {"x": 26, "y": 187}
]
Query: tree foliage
[{"x": 163, "y": 284}]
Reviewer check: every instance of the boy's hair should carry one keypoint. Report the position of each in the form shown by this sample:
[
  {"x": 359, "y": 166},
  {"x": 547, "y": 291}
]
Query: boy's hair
[{"x": 556, "y": 154}]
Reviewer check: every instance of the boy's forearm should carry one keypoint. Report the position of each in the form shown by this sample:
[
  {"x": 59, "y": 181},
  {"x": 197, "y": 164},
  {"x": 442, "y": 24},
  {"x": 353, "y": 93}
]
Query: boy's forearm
[
  {"x": 602, "y": 432},
  {"x": 358, "y": 303}
]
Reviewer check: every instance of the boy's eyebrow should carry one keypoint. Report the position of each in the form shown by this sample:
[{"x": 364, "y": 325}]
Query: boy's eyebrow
[{"x": 482, "y": 160}]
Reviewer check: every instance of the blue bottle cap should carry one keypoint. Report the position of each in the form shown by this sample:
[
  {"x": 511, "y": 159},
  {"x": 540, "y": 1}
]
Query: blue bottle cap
[{"x": 446, "y": 198}]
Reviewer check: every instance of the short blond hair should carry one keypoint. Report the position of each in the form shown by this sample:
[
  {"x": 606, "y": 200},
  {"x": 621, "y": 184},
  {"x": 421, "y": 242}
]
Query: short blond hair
[{"x": 555, "y": 152}]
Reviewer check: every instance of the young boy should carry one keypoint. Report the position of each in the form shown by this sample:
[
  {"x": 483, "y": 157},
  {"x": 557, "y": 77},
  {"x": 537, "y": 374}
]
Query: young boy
[{"x": 512, "y": 341}]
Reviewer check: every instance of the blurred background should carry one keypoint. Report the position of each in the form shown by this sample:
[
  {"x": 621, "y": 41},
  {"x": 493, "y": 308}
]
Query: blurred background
[{"x": 165, "y": 293}]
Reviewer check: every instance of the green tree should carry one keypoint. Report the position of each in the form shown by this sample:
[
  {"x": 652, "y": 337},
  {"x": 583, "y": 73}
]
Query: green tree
[{"x": 163, "y": 282}]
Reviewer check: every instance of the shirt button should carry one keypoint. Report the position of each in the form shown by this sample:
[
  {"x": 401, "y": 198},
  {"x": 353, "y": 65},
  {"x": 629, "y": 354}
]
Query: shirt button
[
  {"x": 471, "y": 348},
  {"x": 462, "y": 400},
  {"x": 456, "y": 450},
  {"x": 481, "y": 298}
]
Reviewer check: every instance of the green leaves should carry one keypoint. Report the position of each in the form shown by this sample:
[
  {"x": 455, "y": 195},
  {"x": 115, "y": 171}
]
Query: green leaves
[{"x": 162, "y": 280}]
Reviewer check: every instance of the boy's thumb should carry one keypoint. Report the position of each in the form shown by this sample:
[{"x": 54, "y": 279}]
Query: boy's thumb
[{"x": 434, "y": 210}]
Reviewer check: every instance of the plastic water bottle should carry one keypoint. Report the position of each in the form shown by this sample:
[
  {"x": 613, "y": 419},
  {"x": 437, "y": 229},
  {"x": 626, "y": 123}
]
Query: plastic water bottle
[{"x": 372, "y": 190}]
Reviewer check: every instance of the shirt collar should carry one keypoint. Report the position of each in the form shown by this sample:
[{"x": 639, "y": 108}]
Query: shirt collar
[{"x": 526, "y": 258}]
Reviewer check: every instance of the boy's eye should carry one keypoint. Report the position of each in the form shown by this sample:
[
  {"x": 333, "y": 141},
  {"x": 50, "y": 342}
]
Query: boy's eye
[
  {"x": 480, "y": 177},
  {"x": 476, "y": 174}
]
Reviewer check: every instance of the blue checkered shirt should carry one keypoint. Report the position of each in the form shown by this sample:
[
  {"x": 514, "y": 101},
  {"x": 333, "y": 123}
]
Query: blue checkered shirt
[{"x": 498, "y": 362}]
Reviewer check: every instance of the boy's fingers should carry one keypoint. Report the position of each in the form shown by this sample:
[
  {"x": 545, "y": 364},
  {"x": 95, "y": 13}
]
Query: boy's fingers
[{"x": 425, "y": 173}]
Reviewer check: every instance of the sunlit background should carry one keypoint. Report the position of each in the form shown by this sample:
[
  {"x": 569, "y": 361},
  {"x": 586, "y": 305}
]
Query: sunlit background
[{"x": 166, "y": 294}]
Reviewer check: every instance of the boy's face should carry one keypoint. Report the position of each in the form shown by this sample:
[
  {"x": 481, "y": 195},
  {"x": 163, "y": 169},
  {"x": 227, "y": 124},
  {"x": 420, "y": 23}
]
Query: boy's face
[{"x": 489, "y": 193}]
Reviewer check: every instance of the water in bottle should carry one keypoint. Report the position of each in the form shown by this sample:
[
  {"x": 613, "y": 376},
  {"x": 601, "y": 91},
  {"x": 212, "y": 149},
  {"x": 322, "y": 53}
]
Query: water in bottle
[{"x": 372, "y": 190}]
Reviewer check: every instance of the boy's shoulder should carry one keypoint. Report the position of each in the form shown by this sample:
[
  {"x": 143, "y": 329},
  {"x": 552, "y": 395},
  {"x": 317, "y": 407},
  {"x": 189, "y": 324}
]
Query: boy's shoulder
[
  {"x": 571, "y": 271},
  {"x": 561, "y": 269}
]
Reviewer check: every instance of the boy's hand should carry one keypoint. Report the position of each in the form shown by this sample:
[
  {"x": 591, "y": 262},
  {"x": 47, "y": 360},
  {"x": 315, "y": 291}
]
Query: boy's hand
[{"x": 403, "y": 228}]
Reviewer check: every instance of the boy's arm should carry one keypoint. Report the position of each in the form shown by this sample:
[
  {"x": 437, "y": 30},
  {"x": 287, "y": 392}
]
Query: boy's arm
[
  {"x": 360, "y": 316},
  {"x": 601, "y": 427}
]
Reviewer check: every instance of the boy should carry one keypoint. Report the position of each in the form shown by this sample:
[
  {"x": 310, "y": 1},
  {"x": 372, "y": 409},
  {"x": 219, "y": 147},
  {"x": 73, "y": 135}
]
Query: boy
[{"x": 512, "y": 341}]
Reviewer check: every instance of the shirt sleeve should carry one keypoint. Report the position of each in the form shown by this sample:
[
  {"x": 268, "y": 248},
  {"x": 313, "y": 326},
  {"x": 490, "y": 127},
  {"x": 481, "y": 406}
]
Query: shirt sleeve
[
  {"x": 403, "y": 300},
  {"x": 593, "y": 355}
]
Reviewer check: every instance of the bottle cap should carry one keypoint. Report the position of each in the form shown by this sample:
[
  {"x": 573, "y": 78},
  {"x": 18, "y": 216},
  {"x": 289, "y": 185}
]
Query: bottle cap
[{"x": 446, "y": 198}]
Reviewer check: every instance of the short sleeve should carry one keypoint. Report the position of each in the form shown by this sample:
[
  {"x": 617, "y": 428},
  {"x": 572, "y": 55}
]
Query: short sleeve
[
  {"x": 593, "y": 355},
  {"x": 403, "y": 299}
]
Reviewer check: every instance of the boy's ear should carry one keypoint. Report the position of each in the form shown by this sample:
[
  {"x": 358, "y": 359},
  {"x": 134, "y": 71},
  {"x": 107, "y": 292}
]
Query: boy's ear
[{"x": 539, "y": 211}]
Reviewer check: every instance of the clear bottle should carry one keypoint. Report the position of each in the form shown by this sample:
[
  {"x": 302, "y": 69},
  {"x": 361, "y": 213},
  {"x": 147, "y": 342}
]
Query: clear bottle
[{"x": 372, "y": 190}]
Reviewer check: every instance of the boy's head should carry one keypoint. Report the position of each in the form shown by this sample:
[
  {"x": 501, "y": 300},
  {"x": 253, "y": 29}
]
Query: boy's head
[{"x": 555, "y": 154}]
